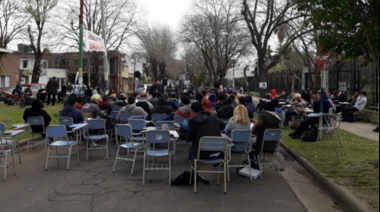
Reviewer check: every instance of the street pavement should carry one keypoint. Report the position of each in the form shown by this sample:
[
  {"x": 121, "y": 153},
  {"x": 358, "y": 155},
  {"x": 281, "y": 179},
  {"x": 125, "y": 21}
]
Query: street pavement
[{"x": 92, "y": 187}]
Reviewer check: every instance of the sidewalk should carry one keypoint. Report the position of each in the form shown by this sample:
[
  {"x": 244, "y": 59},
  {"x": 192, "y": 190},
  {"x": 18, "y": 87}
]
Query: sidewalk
[{"x": 361, "y": 129}]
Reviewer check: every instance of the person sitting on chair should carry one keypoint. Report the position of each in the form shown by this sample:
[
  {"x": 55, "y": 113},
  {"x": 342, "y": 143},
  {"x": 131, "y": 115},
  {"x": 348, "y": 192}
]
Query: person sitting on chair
[
  {"x": 298, "y": 105},
  {"x": 238, "y": 122},
  {"x": 131, "y": 109},
  {"x": 70, "y": 111},
  {"x": 360, "y": 104},
  {"x": 37, "y": 110},
  {"x": 93, "y": 107},
  {"x": 202, "y": 124},
  {"x": 327, "y": 105}
]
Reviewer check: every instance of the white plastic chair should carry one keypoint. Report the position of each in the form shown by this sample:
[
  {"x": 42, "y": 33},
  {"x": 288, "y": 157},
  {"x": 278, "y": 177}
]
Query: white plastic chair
[
  {"x": 157, "y": 137},
  {"x": 6, "y": 153},
  {"x": 124, "y": 140},
  {"x": 211, "y": 144},
  {"x": 57, "y": 133},
  {"x": 169, "y": 125},
  {"x": 241, "y": 137},
  {"x": 270, "y": 136},
  {"x": 36, "y": 121},
  {"x": 98, "y": 125}
]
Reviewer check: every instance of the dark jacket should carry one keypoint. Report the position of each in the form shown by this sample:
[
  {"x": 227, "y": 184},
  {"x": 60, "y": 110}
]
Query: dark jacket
[
  {"x": 154, "y": 101},
  {"x": 173, "y": 105},
  {"x": 52, "y": 87},
  {"x": 250, "y": 105},
  {"x": 267, "y": 120},
  {"x": 326, "y": 105},
  {"x": 144, "y": 105},
  {"x": 154, "y": 88},
  {"x": 72, "y": 112},
  {"x": 105, "y": 106},
  {"x": 36, "y": 110},
  {"x": 226, "y": 112},
  {"x": 212, "y": 99},
  {"x": 203, "y": 124},
  {"x": 161, "y": 107},
  {"x": 218, "y": 105},
  {"x": 117, "y": 106}
]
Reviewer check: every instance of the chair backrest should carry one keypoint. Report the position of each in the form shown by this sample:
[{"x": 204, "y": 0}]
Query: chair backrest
[
  {"x": 158, "y": 137},
  {"x": 65, "y": 121},
  {"x": 125, "y": 118},
  {"x": 272, "y": 136},
  {"x": 332, "y": 111},
  {"x": 2, "y": 127},
  {"x": 137, "y": 124},
  {"x": 114, "y": 115},
  {"x": 36, "y": 121},
  {"x": 212, "y": 144},
  {"x": 97, "y": 124},
  {"x": 180, "y": 119},
  {"x": 56, "y": 132},
  {"x": 123, "y": 131},
  {"x": 159, "y": 117},
  {"x": 241, "y": 136},
  {"x": 138, "y": 117},
  {"x": 165, "y": 125}
]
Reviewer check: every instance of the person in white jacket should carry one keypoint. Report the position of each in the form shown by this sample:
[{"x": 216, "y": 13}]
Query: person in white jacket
[{"x": 360, "y": 105}]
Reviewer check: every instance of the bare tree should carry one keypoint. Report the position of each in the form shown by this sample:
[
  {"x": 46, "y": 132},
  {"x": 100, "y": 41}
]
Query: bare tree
[
  {"x": 266, "y": 19},
  {"x": 12, "y": 21},
  {"x": 40, "y": 11},
  {"x": 160, "y": 44},
  {"x": 217, "y": 29},
  {"x": 121, "y": 17}
]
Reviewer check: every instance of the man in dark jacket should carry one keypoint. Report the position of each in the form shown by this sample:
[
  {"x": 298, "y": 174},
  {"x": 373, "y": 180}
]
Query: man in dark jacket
[
  {"x": 70, "y": 111},
  {"x": 156, "y": 88},
  {"x": 117, "y": 106},
  {"x": 268, "y": 119},
  {"x": 36, "y": 110},
  {"x": 227, "y": 111},
  {"x": 313, "y": 121},
  {"x": 200, "y": 125},
  {"x": 144, "y": 104},
  {"x": 154, "y": 99},
  {"x": 105, "y": 105},
  {"x": 221, "y": 98},
  {"x": 161, "y": 107},
  {"x": 52, "y": 90}
]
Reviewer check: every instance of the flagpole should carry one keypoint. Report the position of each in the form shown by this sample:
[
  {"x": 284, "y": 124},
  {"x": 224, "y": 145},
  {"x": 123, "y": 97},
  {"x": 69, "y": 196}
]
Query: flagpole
[{"x": 105, "y": 59}]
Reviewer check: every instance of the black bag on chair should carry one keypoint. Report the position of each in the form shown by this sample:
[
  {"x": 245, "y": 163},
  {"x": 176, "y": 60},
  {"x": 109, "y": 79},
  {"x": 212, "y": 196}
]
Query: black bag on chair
[{"x": 311, "y": 134}]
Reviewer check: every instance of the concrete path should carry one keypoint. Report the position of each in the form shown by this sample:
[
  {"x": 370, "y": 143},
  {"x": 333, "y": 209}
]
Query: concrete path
[
  {"x": 364, "y": 130},
  {"x": 93, "y": 187}
]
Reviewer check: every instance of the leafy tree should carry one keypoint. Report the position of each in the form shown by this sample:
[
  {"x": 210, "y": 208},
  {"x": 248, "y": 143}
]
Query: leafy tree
[{"x": 346, "y": 27}]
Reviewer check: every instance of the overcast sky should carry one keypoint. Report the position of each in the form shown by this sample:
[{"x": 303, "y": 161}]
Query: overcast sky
[{"x": 166, "y": 11}]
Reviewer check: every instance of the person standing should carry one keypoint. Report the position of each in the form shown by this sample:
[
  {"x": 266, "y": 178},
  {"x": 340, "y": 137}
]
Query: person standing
[
  {"x": 156, "y": 88},
  {"x": 52, "y": 90}
]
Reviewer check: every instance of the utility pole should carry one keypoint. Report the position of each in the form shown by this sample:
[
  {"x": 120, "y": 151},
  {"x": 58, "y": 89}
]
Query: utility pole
[
  {"x": 105, "y": 59},
  {"x": 81, "y": 49}
]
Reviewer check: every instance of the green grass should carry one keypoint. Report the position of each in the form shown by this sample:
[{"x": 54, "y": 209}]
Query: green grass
[
  {"x": 354, "y": 165},
  {"x": 11, "y": 115}
]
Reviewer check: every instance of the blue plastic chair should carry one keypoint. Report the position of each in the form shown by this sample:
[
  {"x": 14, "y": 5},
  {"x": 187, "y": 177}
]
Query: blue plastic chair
[
  {"x": 241, "y": 138},
  {"x": 59, "y": 134},
  {"x": 97, "y": 125},
  {"x": 137, "y": 126},
  {"x": 124, "y": 119},
  {"x": 157, "y": 137},
  {"x": 180, "y": 120},
  {"x": 6, "y": 153},
  {"x": 211, "y": 144},
  {"x": 124, "y": 140},
  {"x": 36, "y": 121},
  {"x": 165, "y": 125},
  {"x": 270, "y": 136},
  {"x": 159, "y": 117}
]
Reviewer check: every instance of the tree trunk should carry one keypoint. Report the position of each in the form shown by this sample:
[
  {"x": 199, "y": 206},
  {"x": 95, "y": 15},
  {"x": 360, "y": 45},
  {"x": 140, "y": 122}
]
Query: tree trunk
[
  {"x": 37, "y": 67},
  {"x": 262, "y": 76}
]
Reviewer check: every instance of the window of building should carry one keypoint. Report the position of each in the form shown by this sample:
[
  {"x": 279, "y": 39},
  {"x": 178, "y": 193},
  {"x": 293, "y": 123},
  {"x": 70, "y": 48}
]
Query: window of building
[
  {"x": 5, "y": 81},
  {"x": 25, "y": 64},
  {"x": 113, "y": 65}
]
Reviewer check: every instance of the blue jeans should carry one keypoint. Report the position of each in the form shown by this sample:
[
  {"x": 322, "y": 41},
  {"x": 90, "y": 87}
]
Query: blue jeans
[
  {"x": 289, "y": 115},
  {"x": 170, "y": 117}
]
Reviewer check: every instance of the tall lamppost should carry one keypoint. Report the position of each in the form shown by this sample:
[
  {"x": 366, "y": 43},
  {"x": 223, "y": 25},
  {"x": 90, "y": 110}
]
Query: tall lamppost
[{"x": 72, "y": 17}]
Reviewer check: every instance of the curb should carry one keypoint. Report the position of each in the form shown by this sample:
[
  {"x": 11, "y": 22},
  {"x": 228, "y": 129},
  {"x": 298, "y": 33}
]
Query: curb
[{"x": 343, "y": 194}]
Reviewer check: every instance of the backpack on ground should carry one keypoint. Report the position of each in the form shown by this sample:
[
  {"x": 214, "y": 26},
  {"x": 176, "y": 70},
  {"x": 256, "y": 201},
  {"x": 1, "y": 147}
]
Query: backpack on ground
[
  {"x": 311, "y": 134},
  {"x": 184, "y": 179}
]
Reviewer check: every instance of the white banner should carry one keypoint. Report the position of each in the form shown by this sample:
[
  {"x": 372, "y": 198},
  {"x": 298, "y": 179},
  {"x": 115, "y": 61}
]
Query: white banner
[{"x": 93, "y": 42}]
